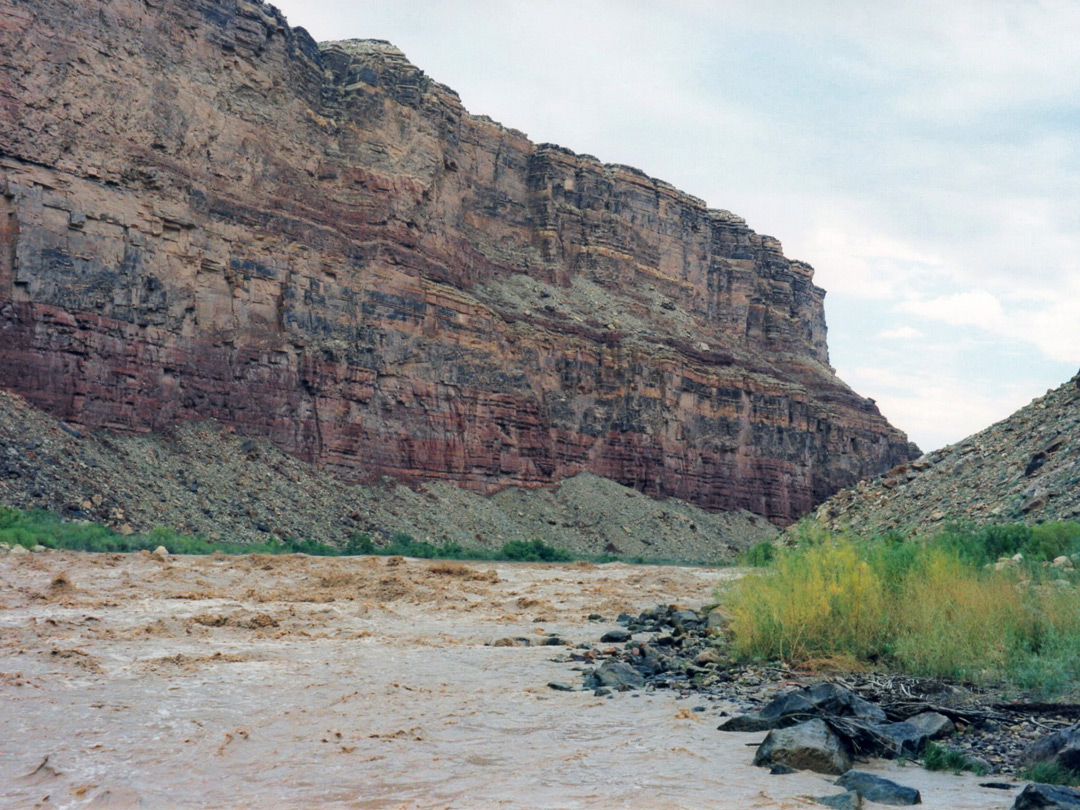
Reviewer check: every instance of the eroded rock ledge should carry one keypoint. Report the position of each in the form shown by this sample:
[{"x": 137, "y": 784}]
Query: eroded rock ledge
[{"x": 205, "y": 214}]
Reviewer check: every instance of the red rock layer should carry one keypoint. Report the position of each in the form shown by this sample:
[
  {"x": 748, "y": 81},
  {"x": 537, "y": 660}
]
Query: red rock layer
[{"x": 205, "y": 214}]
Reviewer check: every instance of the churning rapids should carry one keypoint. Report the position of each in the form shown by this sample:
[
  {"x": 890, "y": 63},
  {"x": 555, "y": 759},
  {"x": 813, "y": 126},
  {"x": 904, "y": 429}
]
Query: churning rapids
[{"x": 297, "y": 682}]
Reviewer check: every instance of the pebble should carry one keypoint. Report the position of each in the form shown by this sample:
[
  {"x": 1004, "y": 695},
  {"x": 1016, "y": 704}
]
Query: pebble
[{"x": 512, "y": 642}]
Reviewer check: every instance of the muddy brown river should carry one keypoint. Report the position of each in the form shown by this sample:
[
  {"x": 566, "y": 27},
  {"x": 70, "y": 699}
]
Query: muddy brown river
[{"x": 296, "y": 682}]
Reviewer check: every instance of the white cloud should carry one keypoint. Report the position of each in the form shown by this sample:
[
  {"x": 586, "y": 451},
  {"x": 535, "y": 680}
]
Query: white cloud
[
  {"x": 900, "y": 333},
  {"x": 1053, "y": 324},
  {"x": 971, "y": 308},
  {"x": 1047, "y": 321}
]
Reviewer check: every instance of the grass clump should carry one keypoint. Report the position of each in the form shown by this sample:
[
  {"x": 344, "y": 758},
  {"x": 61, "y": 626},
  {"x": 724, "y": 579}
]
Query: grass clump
[
  {"x": 935, "y": 608},
  {"x": 955, "y": 620},
  {"x": 940, "y": 758},
  {"x": 1049, "y": 773},
  {"x": 819, "y": 602}
]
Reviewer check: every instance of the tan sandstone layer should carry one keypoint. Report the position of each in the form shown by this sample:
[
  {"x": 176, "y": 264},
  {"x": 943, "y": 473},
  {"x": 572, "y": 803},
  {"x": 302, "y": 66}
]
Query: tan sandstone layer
[{"x": 204, "y": 214}]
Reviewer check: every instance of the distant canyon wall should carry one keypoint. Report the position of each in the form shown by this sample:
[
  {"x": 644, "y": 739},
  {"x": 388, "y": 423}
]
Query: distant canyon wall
[{"x": 205, "y": 214}]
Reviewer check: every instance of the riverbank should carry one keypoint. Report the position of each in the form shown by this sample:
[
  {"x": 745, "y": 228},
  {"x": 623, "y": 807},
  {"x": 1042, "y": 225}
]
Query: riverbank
[{"x": 360, "y": 683}]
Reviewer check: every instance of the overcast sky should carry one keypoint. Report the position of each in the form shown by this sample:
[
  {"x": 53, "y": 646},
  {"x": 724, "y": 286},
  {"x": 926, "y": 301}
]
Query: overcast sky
[{"x": 924, "y": 157}]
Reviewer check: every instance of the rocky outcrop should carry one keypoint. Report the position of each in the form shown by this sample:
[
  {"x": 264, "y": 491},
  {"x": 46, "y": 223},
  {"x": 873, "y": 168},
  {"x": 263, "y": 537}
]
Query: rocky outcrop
[
  {"x": 1022, "y": 469},
  {"x": 204, "y": 214}
]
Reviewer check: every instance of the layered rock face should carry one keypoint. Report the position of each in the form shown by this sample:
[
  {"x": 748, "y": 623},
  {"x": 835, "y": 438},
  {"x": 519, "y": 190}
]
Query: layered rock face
[{"x": 204, "y": 214}]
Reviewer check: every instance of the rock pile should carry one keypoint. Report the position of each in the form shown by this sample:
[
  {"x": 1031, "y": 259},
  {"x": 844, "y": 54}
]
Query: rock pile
[
  {"x": 826, "y": 726},
  {"x": 855, "y": 725},
  {"x": 1025, "y": 468}
]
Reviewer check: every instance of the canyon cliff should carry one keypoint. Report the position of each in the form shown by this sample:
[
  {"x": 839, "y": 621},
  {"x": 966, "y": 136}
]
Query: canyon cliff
[{"x": 206, "y": 215}]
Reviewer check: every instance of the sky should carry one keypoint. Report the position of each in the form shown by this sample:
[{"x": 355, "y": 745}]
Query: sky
[{"x": 924, "y": 157}]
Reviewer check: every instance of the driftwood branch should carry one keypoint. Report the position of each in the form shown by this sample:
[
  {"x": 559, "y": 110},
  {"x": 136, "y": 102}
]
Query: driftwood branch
[{"x": 1063, "y": 709}]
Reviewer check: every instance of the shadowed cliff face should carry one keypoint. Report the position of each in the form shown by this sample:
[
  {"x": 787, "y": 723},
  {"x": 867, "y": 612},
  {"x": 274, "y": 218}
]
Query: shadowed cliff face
[{"x": 204, "y": 214}]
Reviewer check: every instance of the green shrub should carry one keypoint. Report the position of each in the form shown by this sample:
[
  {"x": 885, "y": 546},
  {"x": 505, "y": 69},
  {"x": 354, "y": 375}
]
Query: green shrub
[
  {"x": 892, "y": 558},
  {"x": 758, "y": 555},
  {"x": 8, "y": 517},
  {"x": 407, "y": 546},
  {"x": 1050, "y": 540},
  {"x": 533, "y": 551},
  {"x": 984, "y": 545},
  {"x": 989, "y": 543},
  {"x": 810, "y": 534},
  {"x": 939, "y": 758},
  {"x": 312, "y": 547},
  {"x": 48, "y": 529},
  {"x": 1004, "y": 540},
  {"x": 358, "y": 544}
]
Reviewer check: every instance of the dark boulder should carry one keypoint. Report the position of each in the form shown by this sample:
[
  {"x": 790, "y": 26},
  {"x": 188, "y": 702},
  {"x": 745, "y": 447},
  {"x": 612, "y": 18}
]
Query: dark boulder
[
  {"x": 683, "y": 620},
  {"x": 615, "y": 674},
  {"x": 936, "y": 726},
  {"x": 811, "y": 746},
  {"x": 795, "y": 707},
  {"x": 878, "y": 789},
  {"x": 1062, "y": 748},
  {"x": 892, "y": 740},
  {"x": 1047, "y": 797}
]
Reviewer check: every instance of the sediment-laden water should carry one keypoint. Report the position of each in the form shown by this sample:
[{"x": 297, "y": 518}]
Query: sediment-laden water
[{"x": 295, "y": 682}]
